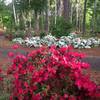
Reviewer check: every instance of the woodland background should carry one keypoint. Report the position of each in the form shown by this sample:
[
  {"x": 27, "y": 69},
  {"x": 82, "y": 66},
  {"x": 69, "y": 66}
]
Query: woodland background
[{"x": 58, "y": 17}]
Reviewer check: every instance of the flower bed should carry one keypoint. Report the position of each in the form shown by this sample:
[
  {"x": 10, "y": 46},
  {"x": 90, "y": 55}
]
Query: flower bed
[{"x": 49, "y": 40}]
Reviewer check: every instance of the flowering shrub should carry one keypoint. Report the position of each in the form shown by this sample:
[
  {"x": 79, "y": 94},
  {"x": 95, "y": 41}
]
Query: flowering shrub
[
  {"x": 18, "y": 40},
  {"x": 33, "y": 42},
  {"x": 48, "y": 40},
  {"x": 51, "y": 74}
]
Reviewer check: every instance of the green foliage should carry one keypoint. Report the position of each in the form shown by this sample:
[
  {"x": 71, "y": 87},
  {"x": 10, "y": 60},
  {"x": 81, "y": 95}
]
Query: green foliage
[
  {"x": 21, "y": 5},
  {"x": 62, "y": 27},
  {"x": 7, "y": 21},
  {"x": 5, "y": 15},
  {"x": 98, "y": 24},
  {"x": 19, "y": 34},
  {"x": 93, "y": 7},
  {"x": 38, "y": 5},
  {"x": 42, "y": 34}
]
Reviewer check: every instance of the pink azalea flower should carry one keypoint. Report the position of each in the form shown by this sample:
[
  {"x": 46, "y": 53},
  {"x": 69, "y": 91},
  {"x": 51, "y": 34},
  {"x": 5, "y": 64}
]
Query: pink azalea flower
[
  {"x": 26, "y": 84},
  {"x": 16, "y": 75},
  {"x": 65, "y": 95},
  {"x": 10, "y": 54},
  {"x": 15, "y": 46},
  {"x": 36, "y": 97}
]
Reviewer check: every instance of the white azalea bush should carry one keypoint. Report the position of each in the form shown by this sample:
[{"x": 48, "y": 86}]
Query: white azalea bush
[
  {"x": 72, "y": 39},
  {"x": 63, "y": 41},
  {"x": 48, "y": 40},
  {"x": 85, "y": 43},
  {"x": 18, "y": 40},
  {"x": 33, "y": 42}
]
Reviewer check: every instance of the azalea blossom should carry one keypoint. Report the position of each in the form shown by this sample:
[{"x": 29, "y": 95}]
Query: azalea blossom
[{"x": 15, "y": 46}]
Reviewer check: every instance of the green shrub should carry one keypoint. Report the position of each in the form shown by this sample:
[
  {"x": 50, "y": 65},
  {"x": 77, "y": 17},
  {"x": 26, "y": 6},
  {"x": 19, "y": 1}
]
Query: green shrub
[
  {"x": 62, "y": 27},
  {"x": 20, "y": 34},
  {"x": 42, "y": 34}
]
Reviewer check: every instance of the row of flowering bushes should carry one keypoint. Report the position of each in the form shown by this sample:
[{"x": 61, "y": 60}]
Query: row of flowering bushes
[
  {"x": 73, "y": 39},
  {"x": 50, "y": 73}
]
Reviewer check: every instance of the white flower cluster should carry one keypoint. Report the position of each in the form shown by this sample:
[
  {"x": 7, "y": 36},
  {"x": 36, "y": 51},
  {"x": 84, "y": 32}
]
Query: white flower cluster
[
  {"x": 33, "y": 41},
  {"x": 85, "y": 43},
  {"x": 72, "y": 39},
  {"x": 48, "y": 40},
  {"x": 18, "y": 40}
]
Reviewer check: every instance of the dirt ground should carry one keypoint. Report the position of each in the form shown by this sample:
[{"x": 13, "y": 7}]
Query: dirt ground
[{"x": 91, "y": 52}]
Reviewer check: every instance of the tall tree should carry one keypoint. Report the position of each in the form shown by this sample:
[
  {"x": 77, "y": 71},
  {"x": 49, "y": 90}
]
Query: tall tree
[
  {"x": 1, "y": 10},
  {"x": 94, "y": 16},
  {"x": 47, "y": 13},
  {"x": 5, "y": 15},
  {"x": 58, "y": 7},
  {"x": 66, "y": 9},
  {"x": 14, "y": 11},
  {"x": 38, "y": 6},
  {"x": 84, "y": 17},
  {"x": 55, "y": 11}
]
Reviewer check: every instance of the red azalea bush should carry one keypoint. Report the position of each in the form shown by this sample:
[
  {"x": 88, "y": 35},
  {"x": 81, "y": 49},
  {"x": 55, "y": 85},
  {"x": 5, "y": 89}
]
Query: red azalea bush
[{"x": 51, "y": 74}]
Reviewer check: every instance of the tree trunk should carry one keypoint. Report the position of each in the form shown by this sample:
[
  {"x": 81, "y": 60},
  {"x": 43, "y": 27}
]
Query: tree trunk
[
  {"x": 2, "y": 21},
  {"x": 46, "y": 22},
  {"x": 21, "y": 21},
  {"x": 55, "y": 11},
  {"x": 77, "y": 15},
  {"x": 47, "y": 18},
  {"x": 36, "y": 23},
  {"x": 84, "y": 17},
  {"x": 94, "y": 17},
  {"x": 58, "y": 7},
  {"x": 66, "y": 9},
  {"x": 14, "y": 12},
  {"x": 42, "y": 21},
  {"x": 80, "y": 18},
  {"x": 61, "y": 8},
  {"x": 71, "y": 16},
  {"x": 30, "y": 19}
]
